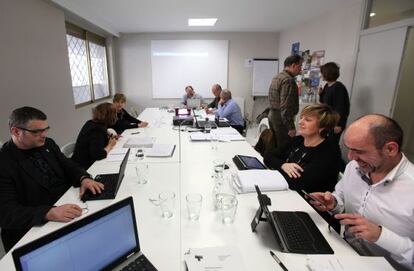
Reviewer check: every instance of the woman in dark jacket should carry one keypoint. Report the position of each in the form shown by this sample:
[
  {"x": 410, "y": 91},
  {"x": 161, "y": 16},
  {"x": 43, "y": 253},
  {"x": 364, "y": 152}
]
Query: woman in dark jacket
[
  {"x": 125, "y": 120},
  {"x": 93, "y": 142},
  {"x": 335, "y": 95},
  {"x": 309, "y": 161}
]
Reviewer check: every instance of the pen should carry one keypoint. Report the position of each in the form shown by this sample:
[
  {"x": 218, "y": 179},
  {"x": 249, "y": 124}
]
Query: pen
[
  {"x": 134, "y": 133},
  {"x": 278, "y": 261}
]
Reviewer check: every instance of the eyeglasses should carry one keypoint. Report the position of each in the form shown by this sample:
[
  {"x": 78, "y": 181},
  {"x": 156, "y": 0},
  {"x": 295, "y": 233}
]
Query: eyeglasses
[{"x": 35, "y": 131}]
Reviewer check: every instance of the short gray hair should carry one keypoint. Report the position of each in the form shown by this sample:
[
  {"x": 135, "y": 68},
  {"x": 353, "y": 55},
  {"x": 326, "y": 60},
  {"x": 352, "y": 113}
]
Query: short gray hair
[{"x": 226, "y": 93}]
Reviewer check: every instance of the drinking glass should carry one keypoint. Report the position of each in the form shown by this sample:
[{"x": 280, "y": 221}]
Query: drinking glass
[
  {"x": 167, "y": 199},
  {"x": 227, "y": 204},
  {"x": 194, "y": 201},
  {"x": 207, "y": 127},
  {"x": 142, "y": 170}
]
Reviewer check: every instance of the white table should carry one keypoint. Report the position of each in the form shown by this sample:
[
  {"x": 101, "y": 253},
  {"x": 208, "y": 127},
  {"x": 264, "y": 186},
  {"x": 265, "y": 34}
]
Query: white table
[{"x": 164, "y": 241}]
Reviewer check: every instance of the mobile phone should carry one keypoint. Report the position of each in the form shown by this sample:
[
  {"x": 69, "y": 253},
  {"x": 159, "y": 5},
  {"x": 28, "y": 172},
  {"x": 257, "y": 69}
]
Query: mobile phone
[
  {"x": 309, "y": 196},
  {"x": 139, "y": 153}
]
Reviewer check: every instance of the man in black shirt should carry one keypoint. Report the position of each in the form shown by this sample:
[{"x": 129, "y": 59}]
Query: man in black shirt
[
  {"x": 211, "y": 107},
  {"x": 34, "y": 174}
]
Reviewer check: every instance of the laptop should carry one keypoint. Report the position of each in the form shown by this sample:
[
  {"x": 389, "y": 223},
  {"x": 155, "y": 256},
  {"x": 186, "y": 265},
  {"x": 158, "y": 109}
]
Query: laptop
[
  {"x": 193, "y": 103},
  {"x": 222, "y": 122},
  {"x": 295, "y": 232},
  {"x": 201, "y": 123},
  {"x": 105, "y": 240},
  {"x": 112, "y": 182}
]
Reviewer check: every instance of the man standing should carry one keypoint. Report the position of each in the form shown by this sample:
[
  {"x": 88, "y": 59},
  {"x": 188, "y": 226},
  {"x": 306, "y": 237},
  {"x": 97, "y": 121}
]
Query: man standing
[
  {"x": 34, "y": 174},
  {"x": 284, "y": 101},
  {"x": 211, "y": 107},
  {"x": 374, "y": 199}
]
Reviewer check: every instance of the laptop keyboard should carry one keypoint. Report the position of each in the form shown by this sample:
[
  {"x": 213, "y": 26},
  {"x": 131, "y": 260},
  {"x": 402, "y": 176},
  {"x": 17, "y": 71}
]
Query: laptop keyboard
[
  {"x": 301, "y": 234},
  {"x": 109, "y": 180},
  {"x": 139, "y": 264}
]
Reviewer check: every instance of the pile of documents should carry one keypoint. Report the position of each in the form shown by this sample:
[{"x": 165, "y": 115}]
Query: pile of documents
[
  {"x": 267, "y": 180},
  {"x": 139, "y": 142}
]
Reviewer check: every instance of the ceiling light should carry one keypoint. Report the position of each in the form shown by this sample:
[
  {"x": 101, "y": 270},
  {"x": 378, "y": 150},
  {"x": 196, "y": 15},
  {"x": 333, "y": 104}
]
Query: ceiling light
[
  {"x": 372, "y": 14},
  {"x": 202, "y": 22}
]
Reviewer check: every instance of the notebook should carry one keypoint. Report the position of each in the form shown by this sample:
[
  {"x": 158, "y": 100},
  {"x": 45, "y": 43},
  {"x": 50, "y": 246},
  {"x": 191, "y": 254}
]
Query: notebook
[
  {"x": 110, "y": 181},
  {"x": 105, "y": 240},
  {"x": 295, "y": 232},
  {"x": 244, "y": 181}
]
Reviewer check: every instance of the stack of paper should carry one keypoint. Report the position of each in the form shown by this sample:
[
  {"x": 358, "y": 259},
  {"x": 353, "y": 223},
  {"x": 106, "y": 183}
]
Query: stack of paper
[
  {"x": 139, "y": 142},
  {"x": 214, "y": 259},
  {"x": 267, "y": 180},
  {"x": 161, "y": 150},
  {"x": 117, "y": 155},
  {"x": 219, "y": 134}
]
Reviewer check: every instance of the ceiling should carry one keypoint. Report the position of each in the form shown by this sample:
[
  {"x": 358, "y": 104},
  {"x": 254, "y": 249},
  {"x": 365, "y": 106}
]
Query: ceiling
[{"x": 140, "y": 16}]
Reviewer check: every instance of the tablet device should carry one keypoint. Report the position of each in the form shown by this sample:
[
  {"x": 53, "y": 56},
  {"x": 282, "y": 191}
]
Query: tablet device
[{"x": 248, "y": 162}]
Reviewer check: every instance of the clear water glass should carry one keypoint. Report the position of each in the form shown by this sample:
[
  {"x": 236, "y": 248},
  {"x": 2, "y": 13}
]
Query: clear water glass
[{"x": 142, "y": 170}]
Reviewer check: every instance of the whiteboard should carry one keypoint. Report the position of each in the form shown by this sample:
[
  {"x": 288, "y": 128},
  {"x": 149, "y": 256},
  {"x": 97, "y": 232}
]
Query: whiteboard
[
  {"x": 263, "y": 72},
  {"x": 179, "y": 63}
]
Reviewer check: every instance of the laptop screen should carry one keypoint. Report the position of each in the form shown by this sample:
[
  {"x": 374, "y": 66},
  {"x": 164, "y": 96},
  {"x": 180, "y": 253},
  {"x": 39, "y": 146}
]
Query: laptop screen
[
  {"x": 193, "y": 103},
  {"x": 104, "y": 239}
]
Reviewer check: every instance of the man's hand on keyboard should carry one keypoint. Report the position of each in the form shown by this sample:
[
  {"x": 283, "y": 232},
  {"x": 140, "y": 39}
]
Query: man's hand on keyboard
[
  {"x": 323, "y": 201},
  {"x": 91, "y": 185},
  {"x": 360, "y": 226}
]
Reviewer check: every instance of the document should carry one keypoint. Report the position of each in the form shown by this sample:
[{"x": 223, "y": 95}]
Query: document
[
  {"x": 338, "y": 263},
  {"x": 214, "y": 259},
  {"x": 139, "y": 142},
  {"x": 117, "y": 155},
  {"x": 267, "y": 180},
  {"x": 161, "y": 150}
]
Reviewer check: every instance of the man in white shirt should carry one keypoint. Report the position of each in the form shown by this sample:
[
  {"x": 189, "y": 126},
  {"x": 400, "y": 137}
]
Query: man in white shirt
[{"x": 374, "y": 199}]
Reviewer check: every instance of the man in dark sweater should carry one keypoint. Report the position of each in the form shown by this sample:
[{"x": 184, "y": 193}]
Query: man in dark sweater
[
  {"x": 213, "y": 106},
  {"x": 34, "y": 174},
  {"x": 284, "y": 101}
]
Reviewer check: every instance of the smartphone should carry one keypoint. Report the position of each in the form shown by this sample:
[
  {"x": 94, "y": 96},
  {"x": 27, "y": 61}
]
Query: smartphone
[
  {"x": 307, "y": 195},
  {"x": 139, "y": 153}
]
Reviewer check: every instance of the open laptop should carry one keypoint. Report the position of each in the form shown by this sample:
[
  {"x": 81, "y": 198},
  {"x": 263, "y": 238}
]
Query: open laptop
[
  {"x": 295, "y": 232},
  {"x": 105, "y": 240},
  {"x": 111, "y": 182},
  {"x": 201, "y": 123},
  {"x": 193, "y": 103}
]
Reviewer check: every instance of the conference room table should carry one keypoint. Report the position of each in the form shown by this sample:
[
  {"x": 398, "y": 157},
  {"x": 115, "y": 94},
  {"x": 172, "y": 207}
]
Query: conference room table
[{"x": 190, "y": 170}]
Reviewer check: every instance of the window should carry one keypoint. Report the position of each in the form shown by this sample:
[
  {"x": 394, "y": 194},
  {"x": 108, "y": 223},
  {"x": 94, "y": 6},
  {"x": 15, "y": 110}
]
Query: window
[
  {"x": 382, "y": 12},
  {"x": 88, "y": 65}
]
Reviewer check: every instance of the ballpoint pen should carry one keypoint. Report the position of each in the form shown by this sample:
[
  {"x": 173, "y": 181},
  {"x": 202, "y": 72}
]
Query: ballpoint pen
[
  {"x": 135, "y": 133},
  {"x": 278, "y": 261}
]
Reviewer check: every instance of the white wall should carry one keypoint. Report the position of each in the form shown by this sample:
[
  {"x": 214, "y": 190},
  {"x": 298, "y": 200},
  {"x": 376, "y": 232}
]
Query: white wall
[
  {"x": 34, "y": 67},
  {"x": 335, "y": 32},
  {"x": 133, "y": 64}
]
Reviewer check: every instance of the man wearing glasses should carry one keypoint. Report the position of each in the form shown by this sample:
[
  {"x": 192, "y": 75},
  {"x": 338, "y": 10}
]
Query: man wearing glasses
[
  {"x": 374, "y": 199},
  {"x": 34, "y": 174}
]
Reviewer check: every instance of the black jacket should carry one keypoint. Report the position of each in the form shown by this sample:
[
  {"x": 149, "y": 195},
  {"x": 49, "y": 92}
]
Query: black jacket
[
  {"x": 90, "y": 144},
  {"x": 24, "y": 197},
  {"x": 336, "y": 96},
  {"x": 125, "y": 121},
  {"x": 321, "y": 164}
]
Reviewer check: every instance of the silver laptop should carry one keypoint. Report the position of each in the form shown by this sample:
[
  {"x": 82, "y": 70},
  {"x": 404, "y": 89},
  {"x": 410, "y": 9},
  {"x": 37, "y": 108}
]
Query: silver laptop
[{"x": 193, "y": 103}]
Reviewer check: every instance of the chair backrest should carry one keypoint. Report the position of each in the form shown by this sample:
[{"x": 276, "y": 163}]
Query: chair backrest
[{"x": 68, "y": 149}]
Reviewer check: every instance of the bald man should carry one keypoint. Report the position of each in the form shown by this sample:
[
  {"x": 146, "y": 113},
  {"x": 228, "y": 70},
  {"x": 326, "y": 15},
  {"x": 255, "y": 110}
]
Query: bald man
[{"x": 374, "y": 199}]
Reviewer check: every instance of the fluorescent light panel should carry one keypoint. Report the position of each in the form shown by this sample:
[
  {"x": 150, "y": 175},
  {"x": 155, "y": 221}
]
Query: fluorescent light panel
[{"x": 202, "y": 22}]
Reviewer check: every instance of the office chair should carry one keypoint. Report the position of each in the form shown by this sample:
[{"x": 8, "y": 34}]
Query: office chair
[{"x": 68, "y": 149}]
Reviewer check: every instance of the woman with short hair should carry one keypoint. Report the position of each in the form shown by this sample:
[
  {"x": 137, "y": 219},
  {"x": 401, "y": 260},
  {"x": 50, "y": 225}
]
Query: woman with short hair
[
  {"x": 93, "y": 142},
  {"x": 309, "y": 161}
]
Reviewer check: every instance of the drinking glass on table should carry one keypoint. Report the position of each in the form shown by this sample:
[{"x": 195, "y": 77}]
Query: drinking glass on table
[
  {"x": 207, "y": 127},
  {"x": 194, "y": 201},
  {"x": 142, "y": 170}
]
